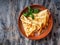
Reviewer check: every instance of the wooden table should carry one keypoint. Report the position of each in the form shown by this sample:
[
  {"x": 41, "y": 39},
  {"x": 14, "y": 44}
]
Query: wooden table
[{"x": 9, "y": 34}]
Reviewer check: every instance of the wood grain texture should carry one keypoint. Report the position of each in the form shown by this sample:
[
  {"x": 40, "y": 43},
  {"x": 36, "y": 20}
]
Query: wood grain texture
[{"x": 9, "y": 34}]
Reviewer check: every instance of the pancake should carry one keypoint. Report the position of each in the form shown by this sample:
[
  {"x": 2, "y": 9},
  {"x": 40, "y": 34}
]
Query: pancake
[{"x": 33, "y": 25}]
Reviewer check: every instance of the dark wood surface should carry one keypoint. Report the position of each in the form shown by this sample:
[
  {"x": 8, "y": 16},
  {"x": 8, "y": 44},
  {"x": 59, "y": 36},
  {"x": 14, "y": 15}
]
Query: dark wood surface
[{"x": 9, "y": 34}]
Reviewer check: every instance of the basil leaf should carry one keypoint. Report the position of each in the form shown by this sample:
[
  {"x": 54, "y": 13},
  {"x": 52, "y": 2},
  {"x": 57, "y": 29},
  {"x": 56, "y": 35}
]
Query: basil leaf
[
  {"x": 25, "y": 14},
  {"x": 32, "y": 16},
  {"x": 36, "y": 10}
]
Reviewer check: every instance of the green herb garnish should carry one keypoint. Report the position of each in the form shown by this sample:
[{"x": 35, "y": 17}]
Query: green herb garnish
[
  {"x": 36, "y": 10},
  {"x": 30, "y": 12},
  {"x": 32, "y": 16},
  {"x": 25, "y": 14}
]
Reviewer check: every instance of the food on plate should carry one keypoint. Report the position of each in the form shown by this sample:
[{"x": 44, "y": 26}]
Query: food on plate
[{"x": 34, "y": 20}]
